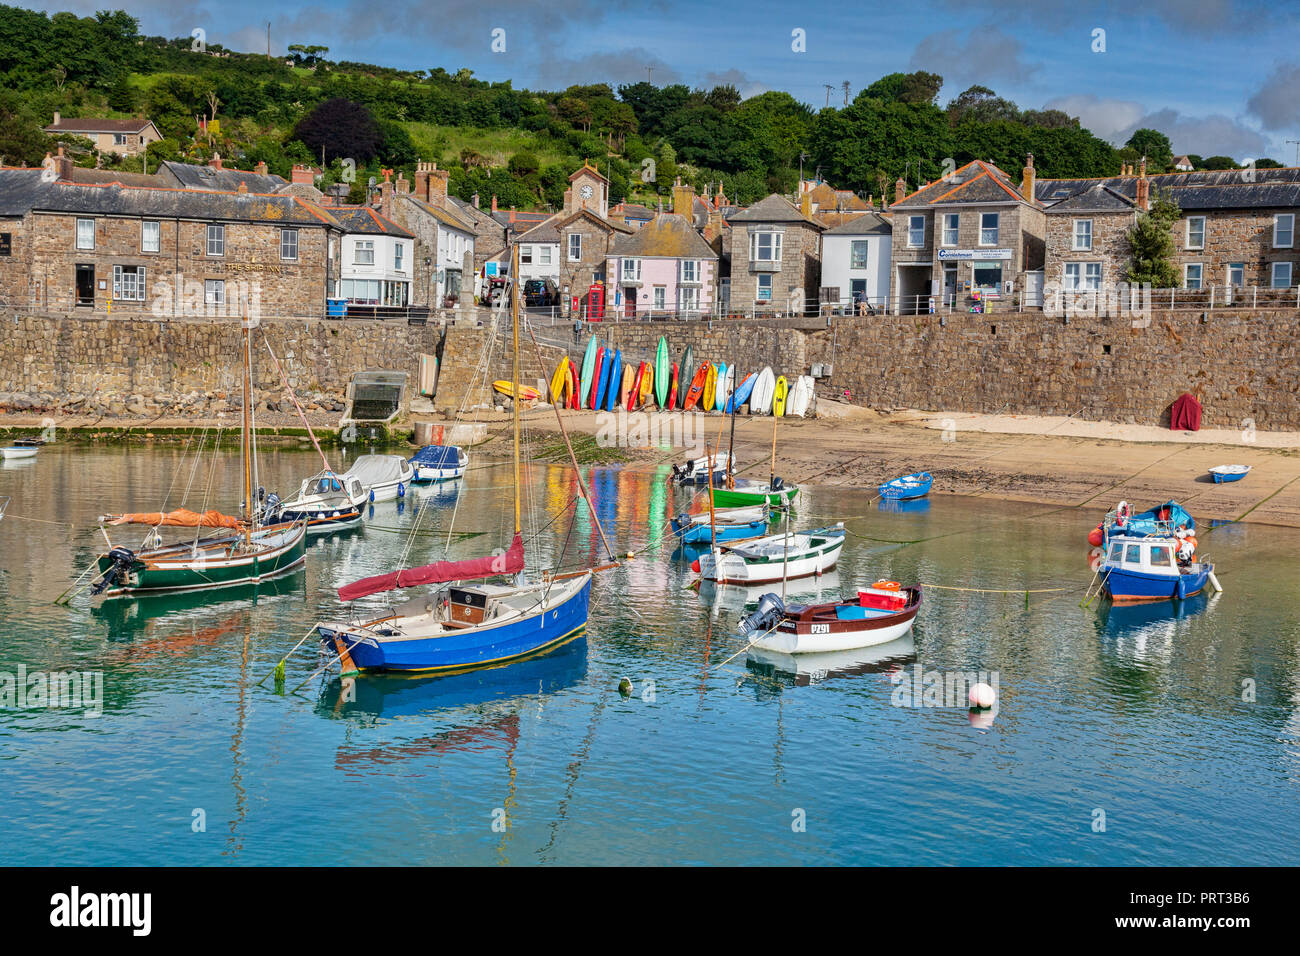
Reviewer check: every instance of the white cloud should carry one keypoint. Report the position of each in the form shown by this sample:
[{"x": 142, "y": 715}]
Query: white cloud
[
  {"x": 1115, "y": 120},
  {"x": 1277, "y": 102},
  {"x": 983, "y": 56}
]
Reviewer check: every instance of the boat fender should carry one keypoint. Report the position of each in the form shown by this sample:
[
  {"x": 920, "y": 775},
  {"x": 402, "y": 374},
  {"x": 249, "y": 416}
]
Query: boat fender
[
  {"x": 372, "y": 496},
  {"x": 1096, "y": 536},
  {"x": 401, "y": 490},
  {"x": 695, "y": 565},
  {"x": 1214, "y": 582},
  {"x": 770, "y": 610}
]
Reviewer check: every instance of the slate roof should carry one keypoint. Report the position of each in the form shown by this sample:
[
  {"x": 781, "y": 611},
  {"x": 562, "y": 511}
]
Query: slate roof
[
  {"x": 68, "y": 124},
  {"x": 367, "y": 221},
  {"x": 23, "y": 191},
  {"x": 773, "y": 208},
  {"x": 472, "y": 214},
  {"x": 561, "y": 220},
  {"x": 444, "y": 216},
  {"x": 1096, "y": 198},
  {"x": 668, "y": 236},
  {"x": 867, "y": 224},
  {"x": 545, "y": 231},
  {"x": 192, "y": 176},
  {"x": 1203, "y": 189},
  {"x": 976, "y": 182}
]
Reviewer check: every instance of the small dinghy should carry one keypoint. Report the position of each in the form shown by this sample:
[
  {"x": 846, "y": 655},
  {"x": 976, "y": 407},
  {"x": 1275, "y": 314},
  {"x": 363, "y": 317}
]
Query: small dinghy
[
  {"x": 696, "y": 471},
  {"x": 1153, "y": 568},
  {"x": 384, "y": 477},
  {"x": 728, "y": 524},
  {"x": 326, "y": 501},
  {"x": 434, "y": 463},
  {"x": 879, "y": 614},
  {"x": 773, "y": 558},
  {"x": 749, "y": 492},
  {"x": 915, "y": 485},
  {"x": 18, "y": 451},
  {"x": 1224, "y": 473}
]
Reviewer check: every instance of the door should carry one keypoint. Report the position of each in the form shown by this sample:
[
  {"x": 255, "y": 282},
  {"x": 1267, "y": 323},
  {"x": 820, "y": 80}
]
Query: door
[
  {"x": 950, "y": 284},
  {"x": 85, "y": 285},
  {"x": 1034, "y": 290}
]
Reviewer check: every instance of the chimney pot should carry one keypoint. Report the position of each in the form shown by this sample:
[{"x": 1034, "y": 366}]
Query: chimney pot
[
  {"x": 215, "y": 162},
  {"x": 900, "y": 189},
  {"x": 494, "y": 203},
  {"x": 1028, "y": 178},
  {"x": 57, "y": 118}
]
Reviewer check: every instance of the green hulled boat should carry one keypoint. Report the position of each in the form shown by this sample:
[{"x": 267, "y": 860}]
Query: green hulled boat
[{"x": 754, "y": 493}]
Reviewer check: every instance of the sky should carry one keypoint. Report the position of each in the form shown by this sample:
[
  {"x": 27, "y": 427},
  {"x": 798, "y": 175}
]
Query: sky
[{"x": 1220, "y": 77}]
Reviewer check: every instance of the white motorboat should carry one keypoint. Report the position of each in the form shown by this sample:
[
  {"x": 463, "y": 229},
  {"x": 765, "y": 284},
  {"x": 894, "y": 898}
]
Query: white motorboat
[
  {"x": 326, "y": 501},
  {"x": 877, "y": 615},
  {"x": 435, "y": 463},
  {"x": 384, "y": 477},
  {"x": 18, "y": 451},
  {"x": 773, "y": 558}
]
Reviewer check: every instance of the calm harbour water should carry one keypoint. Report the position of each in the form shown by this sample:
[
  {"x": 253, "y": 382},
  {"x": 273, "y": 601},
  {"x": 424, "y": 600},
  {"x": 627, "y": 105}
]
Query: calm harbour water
[{"x": 1136, "y": 713}]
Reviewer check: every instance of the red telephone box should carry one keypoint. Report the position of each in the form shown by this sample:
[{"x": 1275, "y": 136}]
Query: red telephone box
[{"x": 596, "y": 302}]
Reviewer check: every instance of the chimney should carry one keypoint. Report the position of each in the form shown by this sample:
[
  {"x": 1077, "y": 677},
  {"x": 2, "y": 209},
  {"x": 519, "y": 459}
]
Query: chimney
[
  {"x": 1027, "y": 182},
  {"x": 474, "y": 200},
  {"x": 403, "y": 185},
  {"x": 261, "y": 167},
  {"x": 242, "y": 187},
  {"x": 301, "y": 174},
  {"x": 1143, "y": 196},
  {"x": 422, "y": 180},
  {"x": 215, "y": 162},
  {"x": 900, "y": 189},
  {"x": 1142, "y": 170},
  {"x": 494, "y": 203},
  {"x": 57, "y": 118},
  {"x": 805, "y": 205},
  {"x": 438, "y": 184},
  {"x": 63, "y": 164},
  {"x": 683, "y": 199},
  {"x": 386, "y": 197},
  {"x": 568, "y": 199}
]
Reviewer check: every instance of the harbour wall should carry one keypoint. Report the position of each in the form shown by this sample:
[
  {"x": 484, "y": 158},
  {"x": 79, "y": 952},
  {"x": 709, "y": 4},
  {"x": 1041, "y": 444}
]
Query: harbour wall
[{"x": 1243, "y": 366}]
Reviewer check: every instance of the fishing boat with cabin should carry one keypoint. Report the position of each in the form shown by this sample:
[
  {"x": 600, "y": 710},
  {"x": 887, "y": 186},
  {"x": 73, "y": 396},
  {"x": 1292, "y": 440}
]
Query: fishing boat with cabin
[{"x": 879, "y": 614}]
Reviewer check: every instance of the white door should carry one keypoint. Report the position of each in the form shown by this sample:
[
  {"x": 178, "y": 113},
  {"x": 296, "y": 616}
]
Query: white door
[{"x": 1034, "y": 289}]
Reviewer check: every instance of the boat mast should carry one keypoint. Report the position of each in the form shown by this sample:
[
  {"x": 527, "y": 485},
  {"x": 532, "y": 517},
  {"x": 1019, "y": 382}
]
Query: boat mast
[
  {"x": 514, "y": 382},
  {"x": 731, "y": 442},
  {"x": 245, "y": 445}
]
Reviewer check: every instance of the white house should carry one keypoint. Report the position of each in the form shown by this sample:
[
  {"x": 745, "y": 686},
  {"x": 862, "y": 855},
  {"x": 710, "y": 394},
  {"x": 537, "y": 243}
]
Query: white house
[
  {"x": 539, "y": 252},
  {"x": 856, "y": 261},
  {"x": 378, "y": 259}
]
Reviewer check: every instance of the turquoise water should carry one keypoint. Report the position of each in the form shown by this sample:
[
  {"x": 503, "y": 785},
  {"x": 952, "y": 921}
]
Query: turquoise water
[{"x": 1137, "y": 714}]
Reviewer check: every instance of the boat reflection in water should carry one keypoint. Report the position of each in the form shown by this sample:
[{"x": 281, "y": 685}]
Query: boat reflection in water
[
  {"x": 1148, "y": 630},
  {"x": 392, "y": 695},
  {"x": 733, "y": 599},
  {"x": 909, "y": 506},
  {"x": 803, "y": 670}
]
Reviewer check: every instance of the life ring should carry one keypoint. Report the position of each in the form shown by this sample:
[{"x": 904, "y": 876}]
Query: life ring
[
  {"x": 1121, "y": 510},
  {"x": 887, "y": 586}
]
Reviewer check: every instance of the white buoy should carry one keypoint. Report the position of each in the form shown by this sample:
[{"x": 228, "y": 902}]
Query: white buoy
[
  {"x": 1214, "y": 582},
  {"x": 982, "y": 696},
  {"x": 625, "y": 687}
]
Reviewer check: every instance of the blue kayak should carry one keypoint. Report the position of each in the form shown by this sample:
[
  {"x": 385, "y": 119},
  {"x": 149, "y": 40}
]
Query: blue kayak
[
  {"x": 915, "y": 485},
  {"x": 741, "y": 395},
  {"x": 615, "y": 380}
]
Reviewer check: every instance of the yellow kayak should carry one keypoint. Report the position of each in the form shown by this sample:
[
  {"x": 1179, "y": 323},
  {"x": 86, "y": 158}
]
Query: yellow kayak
[
  {"x": 526, "y": 392},
  {"x": 710, "y": 389},
  {"x": 559, "y": 381},
  {"x": 778, "y": 397},
  {"x": 647, "y": 386}
]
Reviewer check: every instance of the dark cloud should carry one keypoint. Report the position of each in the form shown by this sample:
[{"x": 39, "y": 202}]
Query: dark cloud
[
  {"x": 963, "y": 57},
  {"x": 1115, "y": 120},
  {"x": 614, "y": 67},
  {"x": 737, "y": 78},
  {"x": 1277, "y": 102}
]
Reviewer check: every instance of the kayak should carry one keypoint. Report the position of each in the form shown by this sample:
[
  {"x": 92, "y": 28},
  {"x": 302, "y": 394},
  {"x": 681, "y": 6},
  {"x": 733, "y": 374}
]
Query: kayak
[
  {"x": 559, "y": 380},
  {"x": 588, "y": 367},
  {"x": 778, "y": 397},
  {"x": 696, "y": 387},
  {"x": 615, "y": 375},
  {"x": 673, "y": 389},
  {"x": 688, "y": 363},
  {"x": 526, "y": 392},
  {"x": 662, "y": 373},
  {"x": 710, "y": 389}
]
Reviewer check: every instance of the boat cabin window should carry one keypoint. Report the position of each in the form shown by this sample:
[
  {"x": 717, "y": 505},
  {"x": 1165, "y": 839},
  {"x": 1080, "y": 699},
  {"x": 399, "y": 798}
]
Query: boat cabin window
[
  {"x": 1133, "y": 554},
  {"x": 1161, "y": 557},
  {"x": 1116, "y": 550}
]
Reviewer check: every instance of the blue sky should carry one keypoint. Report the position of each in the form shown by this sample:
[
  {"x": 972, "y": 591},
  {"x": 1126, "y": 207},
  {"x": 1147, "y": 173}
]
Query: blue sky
[{"x": 1219, "y": 76}]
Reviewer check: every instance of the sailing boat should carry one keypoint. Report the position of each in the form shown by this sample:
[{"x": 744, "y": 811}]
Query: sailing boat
[
  {"x": 463, "y": 625},
  {"x": 252, "y": 549},
  {"x": 774, "y": 493}
]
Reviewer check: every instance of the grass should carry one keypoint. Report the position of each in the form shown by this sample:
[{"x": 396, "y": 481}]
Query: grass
[
  {"x": 497, "y": 145},
  {"x": 585, "y": 450}
]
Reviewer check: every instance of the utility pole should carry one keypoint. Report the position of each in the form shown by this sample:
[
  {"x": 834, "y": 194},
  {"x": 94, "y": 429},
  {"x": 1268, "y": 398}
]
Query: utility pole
[
  {"x": 828, "y": 93},
  {"x": 650, "y": 74},
  {"x": 846, "y": 92},
  {"x": 1296, "y": 144}
]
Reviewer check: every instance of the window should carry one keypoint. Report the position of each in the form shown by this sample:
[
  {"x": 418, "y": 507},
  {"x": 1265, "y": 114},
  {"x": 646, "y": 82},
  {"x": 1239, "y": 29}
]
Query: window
[
  {"x": 216, "y": 239},
  {"x": 858, "y": 290},
  {"x": 989, "y": 228},
  {"x": 214, "y": 291},
  {"x": 149, "y": 237},
  {"x": 1082, "y": 235},
  {"x": 690, "y": 299},
  {"x": 363, "y": 253},
  {"x": 1283, "y": 230},
  {"x": 399, "y": 257},
  {"x": 544, "y": 255},
  {"x": 1083, "y": 276},
  {"x": 85, "y": 234},
  {"x": 1192, "y": 275},
  {"x": 1195, "y": 232},
  {"x": 1237, "y": 274},
  {"x": 1133, "y": 554},
  {"x": 119, "y": 139},
  {"x": 987, "y": 276},
  {"x": 690, "y": 271},
  {"x": 361, "y": 291},
  {"x": 659, "y": 299},
  {"x": 951, "y": 221},
  {"x": 915, "y": 231},
  {"x": 525, "y": 255},
  {"x": 575, "y": 248},
  {"x": 764, "y": 293},
  {"x": 765, "y": 247},
  {"x": 1161, "y": 557},
  {"x": 289, "y": 244},
  {"x": 1281, "y": 275},
  {"x": 858, "y": 254},
  {"x": 631, "y": 270},
  {"x": 128, "y": 283},
  {"x": 1116, "y": 550}
]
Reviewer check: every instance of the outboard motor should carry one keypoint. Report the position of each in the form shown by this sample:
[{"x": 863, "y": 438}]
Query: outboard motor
[
  {"x": 777, "y": 483},
  {"x": 770, "y": 611},
  {"x": 122, "y": 559},
  {"x": 272, "y": 508}
]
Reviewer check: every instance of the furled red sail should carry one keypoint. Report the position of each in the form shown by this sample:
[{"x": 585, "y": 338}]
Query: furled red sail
[
  {"x": 511, "y": 562},
  {"x": 180, "y": 518}
]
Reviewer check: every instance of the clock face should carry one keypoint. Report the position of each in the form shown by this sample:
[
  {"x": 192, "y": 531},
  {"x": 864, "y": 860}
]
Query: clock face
[{"x": 585, "y": 192}]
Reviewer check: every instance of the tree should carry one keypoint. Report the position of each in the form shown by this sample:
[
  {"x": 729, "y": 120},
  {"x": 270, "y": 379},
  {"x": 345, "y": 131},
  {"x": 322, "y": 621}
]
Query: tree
[
  {"x": 22, "y": 142},
  {"x": 340, "y": 128},
  {"x": 1151, "y": 240},
  {"x": 1218, "y": 162},
  {"x": 307, "y": 55},
  {"x": 918, "y": 88},
  {"x": 1265, "y": 163},
  {"x": 1155, "y": 146}
]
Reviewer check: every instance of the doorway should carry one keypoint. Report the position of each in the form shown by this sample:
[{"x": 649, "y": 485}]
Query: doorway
[{"x": 85, "y": 285}]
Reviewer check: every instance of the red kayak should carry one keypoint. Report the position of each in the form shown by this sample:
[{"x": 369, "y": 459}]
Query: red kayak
[
  {"x": 697, "y": 387},
  {"x": 575, "y": 391},
  {"x": 672, "y": 388},
  {"x": 635, "y": 393},
  {"x": 589, "y": 401}
]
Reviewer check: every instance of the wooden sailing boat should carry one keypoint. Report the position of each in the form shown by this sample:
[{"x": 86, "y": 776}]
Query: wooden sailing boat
[
  {"x": 248, "y": 551},
  {"x": 465, "y": 625},
  {"x": 774, "y": 493}
]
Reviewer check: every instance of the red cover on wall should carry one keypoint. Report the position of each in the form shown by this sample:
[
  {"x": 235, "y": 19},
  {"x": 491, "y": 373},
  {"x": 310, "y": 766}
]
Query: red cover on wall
[{"x": 1186, "y": 414}]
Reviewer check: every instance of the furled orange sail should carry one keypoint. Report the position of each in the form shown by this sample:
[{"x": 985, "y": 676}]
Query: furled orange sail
[{"x": 180, "y": 518}]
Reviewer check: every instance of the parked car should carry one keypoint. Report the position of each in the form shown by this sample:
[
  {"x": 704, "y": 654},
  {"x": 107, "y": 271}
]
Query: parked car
[{"x": 542, "y": 292}]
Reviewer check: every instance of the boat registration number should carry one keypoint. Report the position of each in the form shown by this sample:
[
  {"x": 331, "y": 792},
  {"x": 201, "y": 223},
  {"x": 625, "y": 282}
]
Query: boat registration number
[{"x": 821, "y": 628}]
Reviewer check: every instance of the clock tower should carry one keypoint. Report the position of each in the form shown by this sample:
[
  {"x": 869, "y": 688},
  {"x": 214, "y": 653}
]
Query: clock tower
[{"x": 589, "y": 190}]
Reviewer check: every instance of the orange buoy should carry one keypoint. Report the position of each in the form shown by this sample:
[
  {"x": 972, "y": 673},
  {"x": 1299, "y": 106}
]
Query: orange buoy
[
  {"x": 1096, "y": 537},
  {"x": 887, "y": 586}
]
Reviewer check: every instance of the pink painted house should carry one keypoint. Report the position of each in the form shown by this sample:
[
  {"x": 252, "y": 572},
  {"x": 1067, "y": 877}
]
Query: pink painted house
[{"x": 664, "y": 268}]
